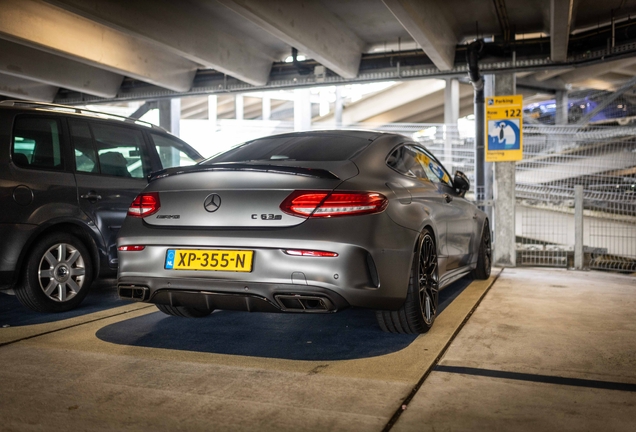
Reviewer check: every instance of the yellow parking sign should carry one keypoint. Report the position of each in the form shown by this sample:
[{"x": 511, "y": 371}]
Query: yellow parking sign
[{"x": 504, "y": 125}]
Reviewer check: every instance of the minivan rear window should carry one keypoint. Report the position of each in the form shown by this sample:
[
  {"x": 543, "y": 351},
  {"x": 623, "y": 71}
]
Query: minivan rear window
[
  {"x": 36, "y": 143},
  {"x": 314, "y": 148}
]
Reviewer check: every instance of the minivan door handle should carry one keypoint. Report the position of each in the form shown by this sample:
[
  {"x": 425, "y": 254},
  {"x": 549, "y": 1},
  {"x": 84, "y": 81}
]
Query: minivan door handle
[
  {"x": 448, "y": 198},
  {"x": 91, "y": 196}
]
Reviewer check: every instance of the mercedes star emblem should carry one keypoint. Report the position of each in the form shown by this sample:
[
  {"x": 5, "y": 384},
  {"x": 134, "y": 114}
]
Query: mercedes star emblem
[{"x": 212, "y": 202}]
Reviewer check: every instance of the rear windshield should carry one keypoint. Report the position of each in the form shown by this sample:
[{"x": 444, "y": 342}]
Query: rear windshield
[{"x": 299, "y": 148}]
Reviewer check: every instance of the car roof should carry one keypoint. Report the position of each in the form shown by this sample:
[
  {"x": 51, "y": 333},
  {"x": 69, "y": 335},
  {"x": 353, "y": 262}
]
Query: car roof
[{"x": 76, "y": 111}]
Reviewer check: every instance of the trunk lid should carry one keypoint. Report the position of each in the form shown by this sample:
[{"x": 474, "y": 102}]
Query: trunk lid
[{"x": 237, "y": 195}]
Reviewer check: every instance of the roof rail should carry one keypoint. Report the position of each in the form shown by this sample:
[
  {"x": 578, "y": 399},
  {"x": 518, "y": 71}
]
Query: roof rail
[{"x": 79, "y": 111}]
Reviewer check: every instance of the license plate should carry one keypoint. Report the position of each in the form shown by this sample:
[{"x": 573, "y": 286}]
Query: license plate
[{"x": 215, "y": 260}]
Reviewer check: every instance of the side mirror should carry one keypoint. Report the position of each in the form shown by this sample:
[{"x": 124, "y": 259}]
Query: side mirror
[{"x": 461, "y": 183}]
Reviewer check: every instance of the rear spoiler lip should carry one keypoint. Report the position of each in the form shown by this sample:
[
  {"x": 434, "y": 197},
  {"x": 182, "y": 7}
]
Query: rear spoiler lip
[{"x": 276, "y": 169}]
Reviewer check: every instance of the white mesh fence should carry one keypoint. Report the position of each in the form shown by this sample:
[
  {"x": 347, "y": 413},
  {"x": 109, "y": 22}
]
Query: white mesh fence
[{"x": 557, "y": 158}]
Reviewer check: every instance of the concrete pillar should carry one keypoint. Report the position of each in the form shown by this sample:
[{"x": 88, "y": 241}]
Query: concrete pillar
[
  {"x": 302, "y": 109},
  {"x": 239, "y": 107},
  {"x": 504, "y": 253},
  {"x": 561, "y": 117},
  {"x": 170, "y": 115},
  {"x": 451, "y": 115},
  {"x": 212, "y": 109},
  {"x": 339, "y": 106},
  {"x": 324, "y": 101},
  {"x": 267, "y": 108}
]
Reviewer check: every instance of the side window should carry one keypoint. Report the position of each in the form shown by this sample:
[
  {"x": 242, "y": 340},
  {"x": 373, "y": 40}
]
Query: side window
[
  {"x": 85, "y": 156},
  {"x": 119, "y": 150},
  {"x": 36, "y": 143},
  {"x": 434, "y": 170},
  {"x": 171, "y": 152},
  {"x": 404, "y": 160}
]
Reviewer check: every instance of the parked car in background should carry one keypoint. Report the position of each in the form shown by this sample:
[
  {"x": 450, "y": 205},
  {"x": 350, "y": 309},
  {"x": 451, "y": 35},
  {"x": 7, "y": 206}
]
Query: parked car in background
[
  {"x": 305, "y": 222},
  {"x": 621, "y": 110},
  {"x": 67, "y": 178}
]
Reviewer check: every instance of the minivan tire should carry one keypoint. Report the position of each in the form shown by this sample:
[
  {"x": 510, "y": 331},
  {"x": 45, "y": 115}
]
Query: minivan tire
[{"x": 57, "y": 274}]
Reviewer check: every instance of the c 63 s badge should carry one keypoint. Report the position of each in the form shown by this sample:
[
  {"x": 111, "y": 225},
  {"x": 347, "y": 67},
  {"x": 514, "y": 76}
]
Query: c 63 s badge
[{"x": 267, "y": 216}]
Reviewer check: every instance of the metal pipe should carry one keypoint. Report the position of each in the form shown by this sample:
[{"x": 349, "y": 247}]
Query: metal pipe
[{"x": 475, "y": 49}]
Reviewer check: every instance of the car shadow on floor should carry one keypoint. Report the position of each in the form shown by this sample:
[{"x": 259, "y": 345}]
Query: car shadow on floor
[
  {"x": 350, "y": 334},
  {"x": 102, "y": 296}
]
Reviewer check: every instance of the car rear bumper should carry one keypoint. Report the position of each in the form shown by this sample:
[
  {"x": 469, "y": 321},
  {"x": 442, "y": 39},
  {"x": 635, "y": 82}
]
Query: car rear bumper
[
  {"x": 226, "y": 295},
  {"x": 371, "y": 270}
]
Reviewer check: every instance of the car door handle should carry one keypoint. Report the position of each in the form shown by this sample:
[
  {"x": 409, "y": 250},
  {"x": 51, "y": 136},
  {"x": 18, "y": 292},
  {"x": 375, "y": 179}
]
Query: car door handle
[
  {"x": 91, "y": 196},
  {"x": 448, "y": 198}
]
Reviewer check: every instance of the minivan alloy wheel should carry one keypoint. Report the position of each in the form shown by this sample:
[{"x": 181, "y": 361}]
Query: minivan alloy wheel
[
  {"x": 61, "y": 272},
  {"x": 57, "y": 274}
]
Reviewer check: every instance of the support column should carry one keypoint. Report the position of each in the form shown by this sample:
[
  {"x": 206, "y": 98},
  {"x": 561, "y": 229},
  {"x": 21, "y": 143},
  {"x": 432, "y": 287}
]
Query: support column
[
  {"x": 239, "y": 106},
  {"x": 302, "y": 110},
  {"x": 212, "y": 109},
  {"x": 451, "y": 115},
  {"x": 561, "y": 117},
  {"x": 267, "y": 107},
  {"x": 338, "y": 108},
  {"x": 504, "y": 253},
  {"x": 170, "y": 115}
]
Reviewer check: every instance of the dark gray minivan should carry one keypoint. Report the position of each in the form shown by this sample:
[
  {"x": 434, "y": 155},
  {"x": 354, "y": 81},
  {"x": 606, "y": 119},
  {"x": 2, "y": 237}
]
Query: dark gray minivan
[{"x": 67, "y": 178}]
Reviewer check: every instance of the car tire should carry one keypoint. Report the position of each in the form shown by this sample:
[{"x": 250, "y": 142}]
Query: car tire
[
  {"x": 418, "y": 312},
  {"x": 182, "y": 311},
  {"x": 575, "y": 114},
  {"x": 484, "y": 257},
  {"x": 57, "y": 275}
]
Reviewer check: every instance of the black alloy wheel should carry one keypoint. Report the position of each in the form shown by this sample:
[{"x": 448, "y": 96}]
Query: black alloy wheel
[
  {"x": 419, "y": 310},
  {"x": 428, "y": 280},
  {"x": 484, "y": 258}
]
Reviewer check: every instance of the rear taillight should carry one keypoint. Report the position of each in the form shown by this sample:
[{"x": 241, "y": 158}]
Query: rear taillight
[
  {"x": 311, "y": 253},
  {"x": 144, "y": 205},
  {"x": 330, "y": 204},
  {"x": 131, "y": 248}
]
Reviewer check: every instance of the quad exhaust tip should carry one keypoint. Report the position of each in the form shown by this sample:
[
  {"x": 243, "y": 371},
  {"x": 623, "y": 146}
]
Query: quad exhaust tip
[{"x": 304, "y": 303}]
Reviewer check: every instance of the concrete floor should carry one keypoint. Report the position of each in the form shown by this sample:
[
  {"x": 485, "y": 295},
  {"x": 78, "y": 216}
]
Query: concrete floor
[{"x": 544, "y": 350}]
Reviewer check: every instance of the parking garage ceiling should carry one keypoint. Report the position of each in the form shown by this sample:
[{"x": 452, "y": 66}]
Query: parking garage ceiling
[{"x": 81, "y": 51}]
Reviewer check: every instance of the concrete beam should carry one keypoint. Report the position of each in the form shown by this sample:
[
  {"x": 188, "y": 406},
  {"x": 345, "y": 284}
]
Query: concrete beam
[
  {"x": 186, "y": 31},
  {"x": 549, "y": 74},
  {"x": 430, "y": 28},
  {"x": 588, "y": 72},
  {"x": 560, "y": 22},
  {"x": 425, "y": 107},
  {"x": 20, "y": 88},
  {"x": 308, "y": 26},
  {"x": 49, "y": 28},
  {"x": 35, "y": 65},
  {"x": 436, "y": 115},
  {"x": 389, "y": 99}
]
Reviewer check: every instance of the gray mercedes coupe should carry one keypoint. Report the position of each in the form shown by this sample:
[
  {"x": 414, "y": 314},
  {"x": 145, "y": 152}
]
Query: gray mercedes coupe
[{"x": 305, "y": 222}]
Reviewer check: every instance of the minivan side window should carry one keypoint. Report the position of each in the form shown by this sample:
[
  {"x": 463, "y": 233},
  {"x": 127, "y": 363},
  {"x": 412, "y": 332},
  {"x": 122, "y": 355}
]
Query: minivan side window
[
  {"x": 171, "y": 152},
  {"x": 36, "y": 143},
  {"x": 107, "y": 150}
]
